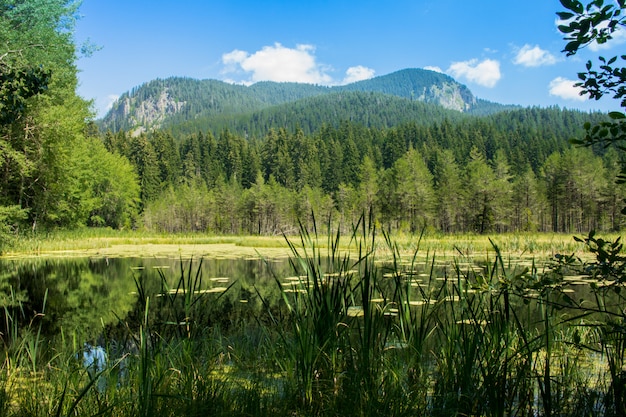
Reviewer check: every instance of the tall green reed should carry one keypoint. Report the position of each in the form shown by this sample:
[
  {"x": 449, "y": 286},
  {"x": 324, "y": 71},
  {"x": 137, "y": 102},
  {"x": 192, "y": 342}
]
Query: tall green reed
[{"x": 354, "y": 335}]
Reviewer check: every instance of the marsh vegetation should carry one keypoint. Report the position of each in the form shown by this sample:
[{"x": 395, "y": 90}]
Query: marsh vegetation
[
  {"x": 366, "y": 320},
  {"x": 346, "y": 325}
]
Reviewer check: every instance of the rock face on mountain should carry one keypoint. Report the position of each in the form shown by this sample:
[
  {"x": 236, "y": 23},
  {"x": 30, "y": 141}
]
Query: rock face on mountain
[
  {"x": 423, "y": 85},
  {"x": 150, "y": 112},
  {"x": 451, "y": 96},
  {"x": 165, "y": 102}
]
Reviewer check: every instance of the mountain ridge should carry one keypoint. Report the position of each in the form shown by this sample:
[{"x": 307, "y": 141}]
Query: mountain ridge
[{"x": 167, "y": 102}]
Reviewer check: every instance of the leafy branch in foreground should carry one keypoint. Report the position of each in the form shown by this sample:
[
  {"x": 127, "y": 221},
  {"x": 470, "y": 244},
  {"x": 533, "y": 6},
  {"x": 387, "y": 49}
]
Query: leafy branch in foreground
[
  {"x": 594, "y": 22},
  {"x": 598, "y": 23}
]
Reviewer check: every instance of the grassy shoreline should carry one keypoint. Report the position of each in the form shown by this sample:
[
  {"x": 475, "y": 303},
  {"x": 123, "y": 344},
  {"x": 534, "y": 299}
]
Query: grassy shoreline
[
  {"x": 113, "y": 243},
  {"x": 342, "y": 335}
]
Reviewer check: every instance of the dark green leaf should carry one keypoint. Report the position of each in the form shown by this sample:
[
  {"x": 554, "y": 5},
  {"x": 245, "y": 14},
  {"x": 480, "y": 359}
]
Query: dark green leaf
[
  {"x": 565, "y": 16},
  {"x": 572, "y": 47},
  {"x": 577, "y": 7}
]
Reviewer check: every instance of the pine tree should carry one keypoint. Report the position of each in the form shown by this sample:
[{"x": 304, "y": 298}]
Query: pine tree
[{"x": 449, "y": 191}]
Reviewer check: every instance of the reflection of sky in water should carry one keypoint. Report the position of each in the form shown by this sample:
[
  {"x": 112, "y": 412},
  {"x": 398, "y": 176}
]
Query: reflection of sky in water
[{"x": 94, "y": 358}]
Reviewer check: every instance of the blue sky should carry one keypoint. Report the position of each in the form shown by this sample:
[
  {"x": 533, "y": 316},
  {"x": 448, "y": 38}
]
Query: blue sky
[{"x": 504, "y": 51}]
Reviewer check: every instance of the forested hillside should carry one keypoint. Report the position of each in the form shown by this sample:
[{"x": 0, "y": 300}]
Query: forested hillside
[
  {"x": 511, "y": 171},
  {"x": 175, "y": 100},
  {"x": 423, "y": 85},
  {"x": 310, "y": 114},
  {"x": 188, "y": 105},
  {"x": 220, "y": 158}
]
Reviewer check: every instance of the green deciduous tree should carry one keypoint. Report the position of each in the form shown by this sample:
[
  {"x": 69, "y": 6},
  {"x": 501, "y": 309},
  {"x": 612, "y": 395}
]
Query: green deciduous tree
[
  {"x": 115, "y": 188},
  {"x": 51, "y": 172}
]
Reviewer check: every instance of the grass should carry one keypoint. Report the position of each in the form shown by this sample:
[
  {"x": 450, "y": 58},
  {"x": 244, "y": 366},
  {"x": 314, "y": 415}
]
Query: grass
[
  {"x": 358, "y": 330},
  {"x": 112, "y": 243}
]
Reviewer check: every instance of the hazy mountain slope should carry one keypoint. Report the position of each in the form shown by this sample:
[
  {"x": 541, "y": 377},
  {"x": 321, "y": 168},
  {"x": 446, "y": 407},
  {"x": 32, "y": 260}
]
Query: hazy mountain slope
[
  {"x": 422, "y": 85},
  {"x": 368, "y": 109},
  {"x": 169, "y": 102}
]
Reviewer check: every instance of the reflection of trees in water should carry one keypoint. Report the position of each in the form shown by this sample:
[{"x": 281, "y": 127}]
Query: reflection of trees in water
[
  {"x": 81, "y": 294},
  {"x": 192, "y": 297},
  {"x": 77, "y": 295}
]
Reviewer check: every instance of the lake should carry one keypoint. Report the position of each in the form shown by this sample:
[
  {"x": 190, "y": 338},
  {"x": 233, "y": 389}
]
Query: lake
[
  {"x": 263, "y": 327},
  {"x": 84, "y": 295}
]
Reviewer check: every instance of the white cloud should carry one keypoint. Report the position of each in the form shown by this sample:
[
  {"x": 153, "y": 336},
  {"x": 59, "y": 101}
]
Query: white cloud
[
  {"x": 533, "y": 56},
  {"x": 234, "y": 58},
  {"x": 358, "y": 73},
  {"x": 278, "y": 63},
  {"x": 436, "y": 69},
  {"x": 485, "y": 73},
  {"x": 564, "y": 88}
]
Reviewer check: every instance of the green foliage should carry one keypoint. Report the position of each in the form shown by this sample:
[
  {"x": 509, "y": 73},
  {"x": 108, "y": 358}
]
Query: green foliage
[
  {"x": 16, "y": 86},
  {"x": 482, "y": 186},
  {"x": 596, "y": 22},
  {"x": 607, "y": 272},
  {"x": 51, "y": 170},
  {"x": 414, "y": 196},
  {"x": 529, "y": 177},
  {"x": 449, "y": 191},
  {"x": 114, "y": 188},
  {"x": 10, "y": 217}
]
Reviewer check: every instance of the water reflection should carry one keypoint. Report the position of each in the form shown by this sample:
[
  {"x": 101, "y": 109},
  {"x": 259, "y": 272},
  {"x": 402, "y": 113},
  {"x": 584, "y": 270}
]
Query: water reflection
[
  {"x": 86, "y": 295},
  {"x": 74, "y": 294},
  {"x": 81, "y": 295}
]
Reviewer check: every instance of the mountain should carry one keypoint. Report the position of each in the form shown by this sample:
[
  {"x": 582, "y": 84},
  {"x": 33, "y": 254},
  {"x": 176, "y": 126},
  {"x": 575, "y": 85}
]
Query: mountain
[
  {"x": 187, "y": 104},
  {"x": 423, "y": 85},
  {"x": 368, "y": 109}
]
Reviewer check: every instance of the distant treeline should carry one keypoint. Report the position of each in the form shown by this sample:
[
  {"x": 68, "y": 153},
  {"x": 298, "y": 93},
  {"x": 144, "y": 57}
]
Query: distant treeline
[{"x": 512, "y": 171}]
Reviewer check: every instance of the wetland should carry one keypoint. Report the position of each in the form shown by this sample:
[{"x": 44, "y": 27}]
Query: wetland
[{"x": 308, "y": 325}]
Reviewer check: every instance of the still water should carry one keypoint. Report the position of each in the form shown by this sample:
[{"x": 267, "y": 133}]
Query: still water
[
  {"x": 85, "y": 295},
  {"x": 89, "y": 296}
]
